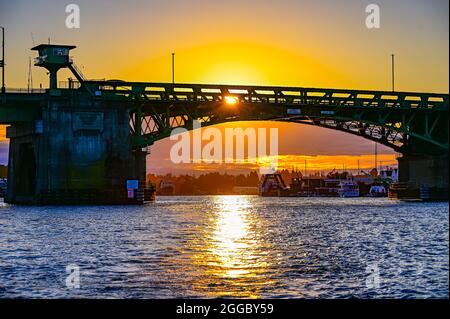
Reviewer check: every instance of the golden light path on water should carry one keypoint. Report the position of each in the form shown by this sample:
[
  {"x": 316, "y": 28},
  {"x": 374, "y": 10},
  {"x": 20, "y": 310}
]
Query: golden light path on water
[
  {"x": 234, "y": 256},
  {"x": 227, "y": 246}
]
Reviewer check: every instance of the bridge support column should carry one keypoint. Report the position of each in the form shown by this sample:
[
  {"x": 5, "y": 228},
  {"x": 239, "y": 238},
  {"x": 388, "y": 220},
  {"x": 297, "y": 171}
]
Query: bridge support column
[
  {"x": 422, "y": 177},
  {"x": 77, "y": 153}
]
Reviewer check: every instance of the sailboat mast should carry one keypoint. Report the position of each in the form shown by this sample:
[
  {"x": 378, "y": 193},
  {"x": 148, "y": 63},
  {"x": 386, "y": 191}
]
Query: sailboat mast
[
  {"x": 376, "y": 155},
  {"x": 30, "y": 76}
]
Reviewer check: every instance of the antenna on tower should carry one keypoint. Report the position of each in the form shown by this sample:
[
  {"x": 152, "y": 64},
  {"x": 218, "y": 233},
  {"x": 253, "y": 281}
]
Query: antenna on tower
[{"x": 30, "y": 76}]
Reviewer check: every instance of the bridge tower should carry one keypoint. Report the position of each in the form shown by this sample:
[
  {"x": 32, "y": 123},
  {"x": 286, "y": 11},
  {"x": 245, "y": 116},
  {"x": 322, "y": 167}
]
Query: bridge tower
[
  {"x": 53, "y": 57},
  {"x": 76, "y": 149}
]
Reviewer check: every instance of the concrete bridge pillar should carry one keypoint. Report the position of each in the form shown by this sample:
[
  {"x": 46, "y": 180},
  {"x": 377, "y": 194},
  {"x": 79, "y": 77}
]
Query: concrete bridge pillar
[
  {"x": 422, "y": 176},
  {"x": 79, "y": 152}
]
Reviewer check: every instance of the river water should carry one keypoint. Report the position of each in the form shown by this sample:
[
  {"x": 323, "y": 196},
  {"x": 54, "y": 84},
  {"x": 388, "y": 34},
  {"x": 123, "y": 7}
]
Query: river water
[{"x": 227, "y": 246}]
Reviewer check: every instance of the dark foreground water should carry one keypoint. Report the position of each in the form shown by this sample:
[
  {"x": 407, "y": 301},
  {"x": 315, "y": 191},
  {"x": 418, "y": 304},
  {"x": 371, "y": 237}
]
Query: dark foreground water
[{"x": 228, "y": 246}]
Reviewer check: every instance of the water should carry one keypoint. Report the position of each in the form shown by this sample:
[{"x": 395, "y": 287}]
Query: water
[{"x": 228, "y": 246}]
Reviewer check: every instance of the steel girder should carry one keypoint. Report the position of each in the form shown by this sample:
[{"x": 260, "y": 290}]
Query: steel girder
[
  {"x": 393, "y": 128},
  {"x": 391, "y": 118},
  {"x": 395, "y": 119}
]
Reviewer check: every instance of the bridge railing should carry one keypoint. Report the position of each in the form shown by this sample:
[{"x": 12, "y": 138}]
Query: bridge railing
[
  {"x": 74, "y": 84},
  {"x": 164, "y": 92},
  {"x": 24, "y": 90}
]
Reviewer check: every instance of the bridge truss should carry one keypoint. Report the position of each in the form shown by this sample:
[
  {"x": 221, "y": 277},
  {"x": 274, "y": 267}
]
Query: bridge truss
[{"x": 390, "y": 118}]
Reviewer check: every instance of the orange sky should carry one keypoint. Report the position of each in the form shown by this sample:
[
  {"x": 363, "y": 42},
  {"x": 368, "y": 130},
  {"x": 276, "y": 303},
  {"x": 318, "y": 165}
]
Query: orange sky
[
  {"x": 320, "y": 43},
  {"x": 297, "y": 143}
]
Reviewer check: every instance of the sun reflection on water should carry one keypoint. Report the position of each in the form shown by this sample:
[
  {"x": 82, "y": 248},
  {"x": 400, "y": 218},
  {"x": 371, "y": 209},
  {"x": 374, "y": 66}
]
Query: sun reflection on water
[
  {"x": 234, "y": 257},
  {"x": 231, "y": 243}
]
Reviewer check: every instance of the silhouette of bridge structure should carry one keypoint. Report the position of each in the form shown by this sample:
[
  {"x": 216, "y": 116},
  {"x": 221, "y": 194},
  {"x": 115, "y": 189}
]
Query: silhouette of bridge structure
[{"x": 87, "y": 142}]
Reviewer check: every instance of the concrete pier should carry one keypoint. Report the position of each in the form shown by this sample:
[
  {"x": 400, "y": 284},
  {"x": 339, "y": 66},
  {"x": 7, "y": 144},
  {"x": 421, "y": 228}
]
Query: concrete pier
[
  {"x": 422, "y": 177},
  {"x": 79, "y": 152}
]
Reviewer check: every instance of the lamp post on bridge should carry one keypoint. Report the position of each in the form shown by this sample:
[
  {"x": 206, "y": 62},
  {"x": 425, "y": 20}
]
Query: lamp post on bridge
[
  {"x": 393, "y": 72},
  {"x": 2, "y": 61},
  {"x": 173, "y": 68}
]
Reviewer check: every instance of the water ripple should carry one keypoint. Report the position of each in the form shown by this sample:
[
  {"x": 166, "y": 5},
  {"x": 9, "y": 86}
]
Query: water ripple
[{"x": 228, "y": 246}]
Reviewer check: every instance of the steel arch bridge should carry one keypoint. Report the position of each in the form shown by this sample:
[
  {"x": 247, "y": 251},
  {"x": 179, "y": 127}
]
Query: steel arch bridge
[
  {"x": 85, "y": 142},
  {"x": 403, "y": 121}
]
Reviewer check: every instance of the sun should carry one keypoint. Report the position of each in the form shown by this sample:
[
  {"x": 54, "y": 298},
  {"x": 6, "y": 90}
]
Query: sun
[{"x": 231, "y": 100}]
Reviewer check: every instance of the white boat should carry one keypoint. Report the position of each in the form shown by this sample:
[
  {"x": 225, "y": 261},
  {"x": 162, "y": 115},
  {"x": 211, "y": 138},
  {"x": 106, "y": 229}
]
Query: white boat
[
  {"x": 348, "y": 189},
  {"x": 377, "y": 191}
]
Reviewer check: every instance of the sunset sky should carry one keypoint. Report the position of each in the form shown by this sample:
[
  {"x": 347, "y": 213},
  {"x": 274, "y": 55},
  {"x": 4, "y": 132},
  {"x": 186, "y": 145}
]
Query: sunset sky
[{"x": 309, "y": 43}]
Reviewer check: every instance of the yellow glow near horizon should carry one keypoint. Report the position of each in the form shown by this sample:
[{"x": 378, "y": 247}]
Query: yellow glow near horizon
[{"x": 315, "y": 164}]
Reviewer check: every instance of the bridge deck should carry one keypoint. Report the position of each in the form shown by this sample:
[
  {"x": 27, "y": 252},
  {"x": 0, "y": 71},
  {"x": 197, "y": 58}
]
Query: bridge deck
[
  {"x": 168, "y": 92},
  {"x": 159, "y": 107},
  {"x": 19, "y": 107}
]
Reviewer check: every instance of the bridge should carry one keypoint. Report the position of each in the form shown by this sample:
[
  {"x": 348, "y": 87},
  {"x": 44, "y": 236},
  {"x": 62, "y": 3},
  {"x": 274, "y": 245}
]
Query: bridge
[{"x": 84, "y": 142}]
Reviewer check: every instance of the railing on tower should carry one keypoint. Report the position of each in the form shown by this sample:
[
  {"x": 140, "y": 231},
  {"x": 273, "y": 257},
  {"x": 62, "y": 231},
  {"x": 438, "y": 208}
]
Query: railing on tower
[{"x": 78, "y": 72}]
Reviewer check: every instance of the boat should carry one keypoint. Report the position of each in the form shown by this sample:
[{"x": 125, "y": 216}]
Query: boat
[
  {"x": 272, "y": 185},
  {"x": 377, "y": 191},
  {"x": 298, "y": 188},
  {"x": 348, "y": 189},
  {"x": 330, "y": 188},
  {"x": 3, "y": 187}
]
